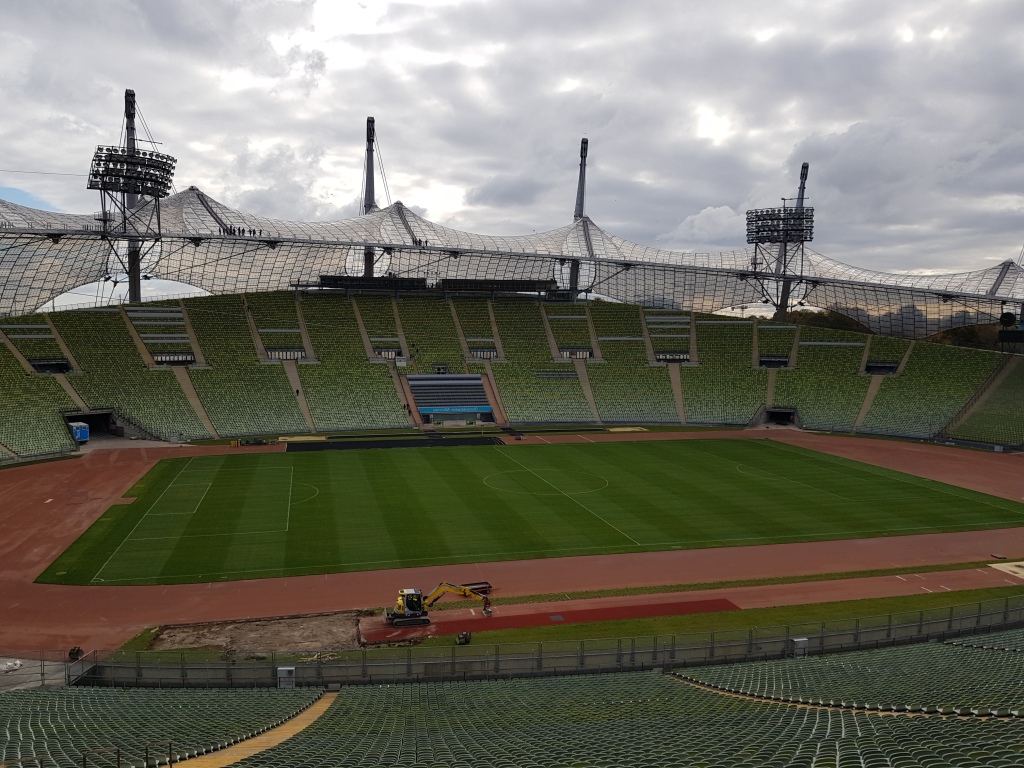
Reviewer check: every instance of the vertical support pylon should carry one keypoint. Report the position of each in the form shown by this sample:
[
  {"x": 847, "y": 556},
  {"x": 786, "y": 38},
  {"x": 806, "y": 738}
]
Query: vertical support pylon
[
  {"x": 581, "y": 196},
  {"x": 369, "y": 201},
  {"x": 581, "y": 185},
  {"x": 130, "y": 202},
  {"x": 784, "y": 261}
]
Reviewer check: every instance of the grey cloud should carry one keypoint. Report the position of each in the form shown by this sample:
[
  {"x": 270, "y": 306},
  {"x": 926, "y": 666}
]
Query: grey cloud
[
  {"x": 505, "y": 191},
  {"x": 916, "y": 149}
]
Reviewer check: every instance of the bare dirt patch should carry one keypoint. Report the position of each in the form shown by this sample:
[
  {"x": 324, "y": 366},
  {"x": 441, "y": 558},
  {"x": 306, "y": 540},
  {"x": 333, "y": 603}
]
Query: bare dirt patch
[{"x": 326, "y": 631}]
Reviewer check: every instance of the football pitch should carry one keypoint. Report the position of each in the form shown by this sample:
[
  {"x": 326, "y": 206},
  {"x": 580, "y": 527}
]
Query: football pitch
[{"x": 216, "y": 518}]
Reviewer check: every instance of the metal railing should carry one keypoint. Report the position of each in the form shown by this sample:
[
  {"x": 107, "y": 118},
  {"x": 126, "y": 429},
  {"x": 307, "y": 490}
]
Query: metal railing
[
  {"x": 560, "y": 657},
  {"x": 30, "y": 457},
  {"x": 31, "y": 670}
]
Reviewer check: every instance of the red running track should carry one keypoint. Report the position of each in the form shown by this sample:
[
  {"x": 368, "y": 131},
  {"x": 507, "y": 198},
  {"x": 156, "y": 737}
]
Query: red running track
[{"x": 373, "y": 629}]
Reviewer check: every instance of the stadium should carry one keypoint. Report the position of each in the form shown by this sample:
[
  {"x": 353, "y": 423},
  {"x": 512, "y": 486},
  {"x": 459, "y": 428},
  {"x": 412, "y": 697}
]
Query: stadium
[{"x": 691, "y": 522}]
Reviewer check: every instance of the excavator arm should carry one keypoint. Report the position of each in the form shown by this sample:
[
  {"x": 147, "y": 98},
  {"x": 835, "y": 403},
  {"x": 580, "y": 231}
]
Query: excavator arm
[{"x": 457, "y": 589}]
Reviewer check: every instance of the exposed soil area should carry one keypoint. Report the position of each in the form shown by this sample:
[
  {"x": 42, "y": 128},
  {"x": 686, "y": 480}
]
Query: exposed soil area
[{"x": 337, "y": 631}]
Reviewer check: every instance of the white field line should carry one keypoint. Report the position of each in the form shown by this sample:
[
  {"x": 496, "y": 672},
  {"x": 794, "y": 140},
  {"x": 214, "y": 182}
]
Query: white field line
[
  {"x": 773, "y": 475},
  {"x": 656, "y": 546},
  {"x": 196, "y": 509},
  {"x": 575, "y": 501},
  {"x": 209, "y": 535},
  {"x": 442, "y": 560},
  {"x": 98, "y": 572},
  {"x": 288, "y": 509}
]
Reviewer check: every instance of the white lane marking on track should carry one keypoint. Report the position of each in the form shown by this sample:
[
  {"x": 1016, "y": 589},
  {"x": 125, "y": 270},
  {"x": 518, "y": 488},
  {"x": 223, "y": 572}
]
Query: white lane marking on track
[{"x": 574, "y": 500}]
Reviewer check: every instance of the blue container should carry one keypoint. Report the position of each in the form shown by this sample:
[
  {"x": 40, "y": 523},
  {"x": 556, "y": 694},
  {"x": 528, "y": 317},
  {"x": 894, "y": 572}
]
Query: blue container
[{"x": 80, "y": 431}]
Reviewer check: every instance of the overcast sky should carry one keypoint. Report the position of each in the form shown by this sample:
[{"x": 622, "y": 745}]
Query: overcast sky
[{"x": 910, "y": 113}]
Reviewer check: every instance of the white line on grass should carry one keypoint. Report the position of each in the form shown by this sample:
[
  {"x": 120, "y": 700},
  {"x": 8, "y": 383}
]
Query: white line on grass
[
  {"x": 308, "y": 498},
  {"x": 575, "y": 501},
  {"x": 98, "y": 572},
  {"x": 443, "y": 561},
  {"x": 194, "y": 510},
  {"x": 772, "y": 475},
  {"x": 288, "y": 509},
  {"x": 236, "y": 469},
  {"x": 209, "y": 535},
  {"x": 705, "y": 544}
]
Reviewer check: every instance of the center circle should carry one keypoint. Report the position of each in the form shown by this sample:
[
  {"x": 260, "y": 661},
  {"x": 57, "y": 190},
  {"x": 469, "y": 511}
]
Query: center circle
[{"x": 546, "y": 482}]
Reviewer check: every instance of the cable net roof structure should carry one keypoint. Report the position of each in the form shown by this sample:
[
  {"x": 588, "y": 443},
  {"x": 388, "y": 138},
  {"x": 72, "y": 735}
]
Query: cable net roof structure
[{"x": 208, "y": 245}]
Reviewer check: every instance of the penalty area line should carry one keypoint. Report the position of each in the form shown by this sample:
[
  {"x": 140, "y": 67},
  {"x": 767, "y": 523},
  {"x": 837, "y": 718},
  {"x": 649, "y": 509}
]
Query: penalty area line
[{"x": 144, "y": 514}]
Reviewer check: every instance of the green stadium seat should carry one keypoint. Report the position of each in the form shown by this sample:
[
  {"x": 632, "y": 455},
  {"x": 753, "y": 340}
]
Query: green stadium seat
[
  {"x": 59, "y": 725},
  {"x": 114, "y": 376},
  {"x": 344, "y": 390},
  {"x": 31, "y": 423},
  {"x": 241, "y": 395}
]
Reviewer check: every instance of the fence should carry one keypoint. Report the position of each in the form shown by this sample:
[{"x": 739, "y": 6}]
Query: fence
[
  {"x": 33, "y": 670},
  {"x": 470, "y": 662}
]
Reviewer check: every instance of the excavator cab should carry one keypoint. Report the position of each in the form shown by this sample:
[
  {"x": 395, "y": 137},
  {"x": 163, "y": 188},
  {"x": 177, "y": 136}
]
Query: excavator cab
[
  {"x": 409, "y": 610},
  {"x": 410, "y": 602}
]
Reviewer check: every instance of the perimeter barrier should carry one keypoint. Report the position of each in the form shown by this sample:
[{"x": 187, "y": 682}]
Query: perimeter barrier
[{"x": 374, "y": 666}]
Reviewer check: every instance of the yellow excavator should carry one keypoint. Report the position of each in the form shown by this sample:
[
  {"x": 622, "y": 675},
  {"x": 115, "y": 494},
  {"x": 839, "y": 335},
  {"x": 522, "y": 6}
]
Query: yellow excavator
[{"x": 411, "y": 608}]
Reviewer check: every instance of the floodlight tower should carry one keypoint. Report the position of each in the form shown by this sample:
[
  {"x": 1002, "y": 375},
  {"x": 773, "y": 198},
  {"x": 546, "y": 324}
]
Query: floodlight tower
[
  {"x": 777, "y": 268},
  {"x": 125, "y": 177},
  {"x": 369, "y": 203}
]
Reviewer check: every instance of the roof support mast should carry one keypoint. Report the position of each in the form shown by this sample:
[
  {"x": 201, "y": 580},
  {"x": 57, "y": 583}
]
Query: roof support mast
[
  {"x": 131, "y": 200},
  {"x": 581, "y": 186},
  {"x": 581, "y": 195},
  {"x": 369, "y": 203}
]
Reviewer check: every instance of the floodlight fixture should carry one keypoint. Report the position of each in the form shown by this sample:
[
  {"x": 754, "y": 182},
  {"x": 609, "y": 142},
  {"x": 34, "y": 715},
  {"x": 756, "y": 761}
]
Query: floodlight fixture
[
  {"x": 780, "y": 225},
  {"x": 131, "y": 171}
]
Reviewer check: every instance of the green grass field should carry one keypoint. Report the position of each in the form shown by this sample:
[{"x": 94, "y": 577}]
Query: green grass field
[{"x": 255, "y": 516}]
